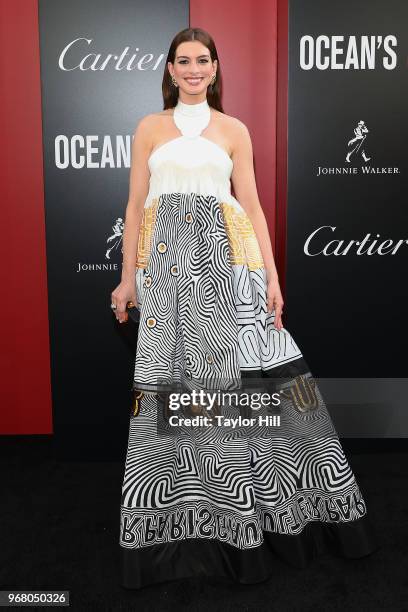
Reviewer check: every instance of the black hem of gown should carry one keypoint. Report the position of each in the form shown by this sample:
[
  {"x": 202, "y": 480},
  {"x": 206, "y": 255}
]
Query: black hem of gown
[{"x": 201, "y": 557}]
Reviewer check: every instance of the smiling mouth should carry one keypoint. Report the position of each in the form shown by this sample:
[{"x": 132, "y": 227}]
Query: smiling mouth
[{"x": 194, "y": 81}]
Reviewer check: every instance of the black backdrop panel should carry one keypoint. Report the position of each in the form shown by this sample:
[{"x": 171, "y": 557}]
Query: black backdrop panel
[
  {"x": 102, "y": 64},
  {"x": 346, "y": 301}
]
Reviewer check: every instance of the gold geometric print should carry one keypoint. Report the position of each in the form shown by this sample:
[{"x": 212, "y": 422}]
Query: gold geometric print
[
  {"x": 244, "y": 247},
  {"x": 302, "y": 393},
  {"x": 144, "y": 245}
]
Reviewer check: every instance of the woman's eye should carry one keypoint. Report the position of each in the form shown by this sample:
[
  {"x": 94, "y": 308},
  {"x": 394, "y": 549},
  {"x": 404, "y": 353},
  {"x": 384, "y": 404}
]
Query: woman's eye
[{"x": 204, "y": 61}]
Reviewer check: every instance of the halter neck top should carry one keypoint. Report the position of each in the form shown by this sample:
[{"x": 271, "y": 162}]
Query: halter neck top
[{"x": 192, "y": 119}]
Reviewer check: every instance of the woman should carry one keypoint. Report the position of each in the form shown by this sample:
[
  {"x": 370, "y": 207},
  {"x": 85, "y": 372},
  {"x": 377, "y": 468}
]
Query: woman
[{"x": 215, "y": 500}]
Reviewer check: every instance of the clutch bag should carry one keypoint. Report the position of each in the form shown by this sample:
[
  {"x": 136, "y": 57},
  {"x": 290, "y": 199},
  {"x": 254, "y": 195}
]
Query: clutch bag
[{"x": 133, "y": 312}]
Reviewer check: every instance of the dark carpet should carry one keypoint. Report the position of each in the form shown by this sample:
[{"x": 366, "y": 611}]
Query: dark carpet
[{"x": 60, "y": 530}]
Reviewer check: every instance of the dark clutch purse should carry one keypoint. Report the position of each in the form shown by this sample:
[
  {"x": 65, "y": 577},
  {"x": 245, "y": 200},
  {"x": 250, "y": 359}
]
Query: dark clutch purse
[{"x": 133, "y": 312}]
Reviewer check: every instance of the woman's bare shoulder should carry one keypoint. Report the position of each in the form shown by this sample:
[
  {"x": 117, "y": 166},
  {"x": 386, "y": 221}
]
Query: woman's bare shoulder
[
  {"x": 148, "y": 122},
  {"x": 235, "y": 131},
  {"x": 230, "y": 123}
]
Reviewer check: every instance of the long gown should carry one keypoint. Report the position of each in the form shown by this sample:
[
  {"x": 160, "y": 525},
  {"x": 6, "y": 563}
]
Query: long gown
[{"x": 221, "y": 501}]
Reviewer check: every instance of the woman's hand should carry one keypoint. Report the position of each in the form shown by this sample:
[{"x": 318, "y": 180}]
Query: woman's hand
[
  {"x": 275, "y": 301},
  {"x": 125, "y": 292}
]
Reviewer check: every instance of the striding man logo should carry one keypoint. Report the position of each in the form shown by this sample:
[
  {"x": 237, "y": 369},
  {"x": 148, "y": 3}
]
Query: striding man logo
[
  {"x": 302, "y": 393},
  {"x": 356, "y": 144},
  {"x": 115, "y": 240}
]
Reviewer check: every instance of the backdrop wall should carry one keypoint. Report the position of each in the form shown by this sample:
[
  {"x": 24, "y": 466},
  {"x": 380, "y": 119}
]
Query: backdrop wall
[{"x": 64, "y": 194}]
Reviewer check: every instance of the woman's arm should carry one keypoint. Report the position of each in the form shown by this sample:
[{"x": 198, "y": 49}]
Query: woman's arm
[
  {"x": 138, "y": 190},
  {"x": 244, "y": 183}
]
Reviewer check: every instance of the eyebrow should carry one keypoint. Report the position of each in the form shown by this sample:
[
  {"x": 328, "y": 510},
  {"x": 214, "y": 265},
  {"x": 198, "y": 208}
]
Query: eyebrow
[{"x": 204, "y": 55}]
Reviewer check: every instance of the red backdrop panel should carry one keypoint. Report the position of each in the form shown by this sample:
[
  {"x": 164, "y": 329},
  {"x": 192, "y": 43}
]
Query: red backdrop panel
[
  {"x": 245, "y": 33},
  {"x": 25, "y": 359}
]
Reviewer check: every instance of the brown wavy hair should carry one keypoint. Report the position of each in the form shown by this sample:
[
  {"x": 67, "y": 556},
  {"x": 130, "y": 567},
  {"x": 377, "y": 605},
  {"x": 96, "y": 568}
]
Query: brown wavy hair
[{"x": 170, "y": 92}]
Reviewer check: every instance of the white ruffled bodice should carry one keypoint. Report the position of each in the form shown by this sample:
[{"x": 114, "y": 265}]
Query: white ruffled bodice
[{"x": 191, "y": 163}]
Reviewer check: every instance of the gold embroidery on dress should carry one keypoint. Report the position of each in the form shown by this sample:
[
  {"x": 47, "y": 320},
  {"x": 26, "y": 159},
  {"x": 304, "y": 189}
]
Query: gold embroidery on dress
[
  {"x": 302, "y": 393},
  {"x": 144, "y": 246},
  {"x": 244, "y": 247},
  {"x": 136, "y": 403}
]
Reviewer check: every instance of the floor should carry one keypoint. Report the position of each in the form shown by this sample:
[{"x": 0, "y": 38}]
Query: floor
[{"x": 60, "y": 530}]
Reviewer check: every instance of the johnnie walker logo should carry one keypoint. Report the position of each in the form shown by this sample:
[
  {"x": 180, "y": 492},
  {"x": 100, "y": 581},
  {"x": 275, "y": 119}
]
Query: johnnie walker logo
[
  {"x": 357, "y": 157},
  {"x": 115, "y": 240},
  {"x": 113, "y": 251}
]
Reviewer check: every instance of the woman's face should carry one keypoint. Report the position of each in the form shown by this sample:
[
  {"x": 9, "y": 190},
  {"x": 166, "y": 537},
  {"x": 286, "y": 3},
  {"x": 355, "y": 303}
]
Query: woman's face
[{"x": 192, "y": 68}]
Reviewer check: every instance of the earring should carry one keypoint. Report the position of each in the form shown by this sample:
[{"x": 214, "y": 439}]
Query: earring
[
  {"x": 213, "y": 79},
  {"x": 174, "y": 81}
]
